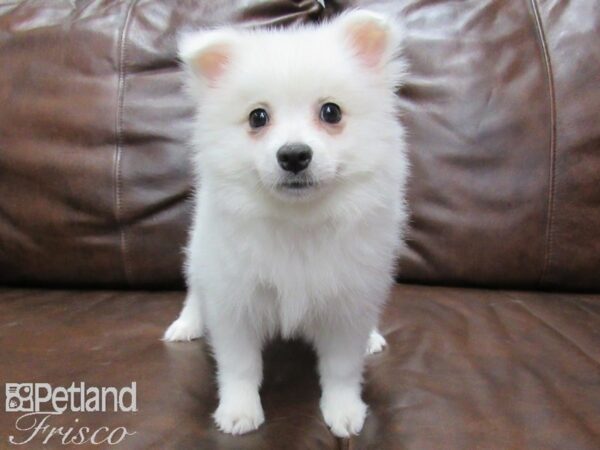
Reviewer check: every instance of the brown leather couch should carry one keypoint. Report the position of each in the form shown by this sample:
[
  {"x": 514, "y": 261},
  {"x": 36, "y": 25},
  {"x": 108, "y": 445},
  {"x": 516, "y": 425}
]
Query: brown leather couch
[{"x": 494, "y": 327}]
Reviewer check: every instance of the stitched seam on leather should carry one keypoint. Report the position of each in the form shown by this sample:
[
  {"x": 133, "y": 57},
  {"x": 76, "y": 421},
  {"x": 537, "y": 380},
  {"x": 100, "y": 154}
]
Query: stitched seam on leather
[
  {"x": 118, "y": 183},
  {"x": 551, "y": 182}
]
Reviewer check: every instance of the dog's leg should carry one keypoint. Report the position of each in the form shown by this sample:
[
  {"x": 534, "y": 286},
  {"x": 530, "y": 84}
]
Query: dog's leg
[
  {"x": 341, "y": 354},
  {"x": 237, "y": 351},
  {"x": 189, "y": 325},
  {"x": 376, "y": 342}
]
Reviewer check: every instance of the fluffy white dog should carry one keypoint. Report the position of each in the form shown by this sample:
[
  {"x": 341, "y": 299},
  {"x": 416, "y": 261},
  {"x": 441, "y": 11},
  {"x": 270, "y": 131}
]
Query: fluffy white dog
[{"x": 300, "y": 168}]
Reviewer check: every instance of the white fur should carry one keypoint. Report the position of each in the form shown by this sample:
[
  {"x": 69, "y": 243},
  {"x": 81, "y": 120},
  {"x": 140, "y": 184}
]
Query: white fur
[{"x": 317, "y": 264}]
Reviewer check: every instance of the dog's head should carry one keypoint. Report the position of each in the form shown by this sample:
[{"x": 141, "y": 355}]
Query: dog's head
[{"x": 291, "y": 113}]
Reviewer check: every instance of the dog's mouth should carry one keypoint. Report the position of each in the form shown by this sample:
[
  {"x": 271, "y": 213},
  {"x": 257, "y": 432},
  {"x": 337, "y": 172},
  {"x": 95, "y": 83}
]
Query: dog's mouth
[{"x": 296, "y": 185}]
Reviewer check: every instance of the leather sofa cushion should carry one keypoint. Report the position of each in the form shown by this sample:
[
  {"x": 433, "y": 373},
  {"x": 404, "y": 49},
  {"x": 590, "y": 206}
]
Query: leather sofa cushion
[{"x": 464, "y": 369}]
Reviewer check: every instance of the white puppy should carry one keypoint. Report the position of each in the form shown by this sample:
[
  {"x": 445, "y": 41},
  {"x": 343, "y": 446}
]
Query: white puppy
[{"x": 300, "y": 168}]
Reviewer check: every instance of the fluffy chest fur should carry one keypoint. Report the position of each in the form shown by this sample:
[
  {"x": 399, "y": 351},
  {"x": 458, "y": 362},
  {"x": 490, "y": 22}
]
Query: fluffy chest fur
[{"x": 299, "y": 272}]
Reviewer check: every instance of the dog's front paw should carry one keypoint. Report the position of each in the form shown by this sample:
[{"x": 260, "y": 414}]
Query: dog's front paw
[
  {"x": 183, "y": 330},
  {"x": 376, "y": 343},
  {"x": 344, "y": 413},
  {"x": 239, "y": 417}
]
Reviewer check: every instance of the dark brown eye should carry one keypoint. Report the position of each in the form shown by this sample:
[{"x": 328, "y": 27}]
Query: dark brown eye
[
  {"x": 331, "y": 113},
  {"x": 258, "y": 118}
]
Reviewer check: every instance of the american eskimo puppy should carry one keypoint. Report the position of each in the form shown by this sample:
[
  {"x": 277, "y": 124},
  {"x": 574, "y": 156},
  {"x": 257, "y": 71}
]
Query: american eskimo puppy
[{"x": 300, "y": 163}]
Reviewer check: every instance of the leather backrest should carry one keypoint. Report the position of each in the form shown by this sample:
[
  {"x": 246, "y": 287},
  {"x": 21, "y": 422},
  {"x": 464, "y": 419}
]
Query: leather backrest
[
  {"x": 501, "y": 105},
  {"x": 503, "y": 108},
  {"x": 94, "y": 167}
]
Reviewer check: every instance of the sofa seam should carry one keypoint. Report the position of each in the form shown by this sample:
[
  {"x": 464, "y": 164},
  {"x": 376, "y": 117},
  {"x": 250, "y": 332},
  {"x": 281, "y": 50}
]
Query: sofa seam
[
  {"x": 549, "y": 239},
  {"x": 118, "y": 174}
]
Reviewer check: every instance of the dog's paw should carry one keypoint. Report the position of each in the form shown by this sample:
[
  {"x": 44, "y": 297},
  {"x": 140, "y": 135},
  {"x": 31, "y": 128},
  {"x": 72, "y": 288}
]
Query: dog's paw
[
  {"x": 376, "y": 343},
  {"x": 343, "y": 413},
  {"x": 239, "y": 417},
  {"x": 183, "y": 330}
]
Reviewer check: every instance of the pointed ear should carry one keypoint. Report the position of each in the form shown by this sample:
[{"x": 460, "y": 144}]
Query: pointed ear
[
  {"x": 372, "y": 37},
  {"x": 206, "y": 54}
]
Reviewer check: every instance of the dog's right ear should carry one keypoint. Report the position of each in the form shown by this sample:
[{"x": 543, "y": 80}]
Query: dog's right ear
[
  {"x": 375, "y": 40},
  {"x": 206, "y": 54}
]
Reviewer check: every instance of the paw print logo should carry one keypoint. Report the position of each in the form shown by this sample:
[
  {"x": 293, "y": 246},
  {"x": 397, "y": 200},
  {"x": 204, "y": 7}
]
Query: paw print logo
[{"x": 19, "y": 397}]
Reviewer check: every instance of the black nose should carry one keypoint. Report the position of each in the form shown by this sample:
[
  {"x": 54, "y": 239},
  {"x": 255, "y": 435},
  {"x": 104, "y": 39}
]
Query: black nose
[{"x": 294, "y": 157}]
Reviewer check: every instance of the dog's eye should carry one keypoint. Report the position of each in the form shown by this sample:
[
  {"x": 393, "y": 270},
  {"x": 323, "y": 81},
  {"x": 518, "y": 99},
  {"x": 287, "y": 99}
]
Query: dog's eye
[
  {"x": 331, "y": 113},
  {"x": 258, "y": 118}
]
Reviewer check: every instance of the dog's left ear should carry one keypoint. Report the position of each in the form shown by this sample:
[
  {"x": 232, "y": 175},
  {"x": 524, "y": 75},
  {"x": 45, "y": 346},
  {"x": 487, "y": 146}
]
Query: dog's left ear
[
  {"x": 373, "y": 37},
  {"x": 207, "y": 54}
]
